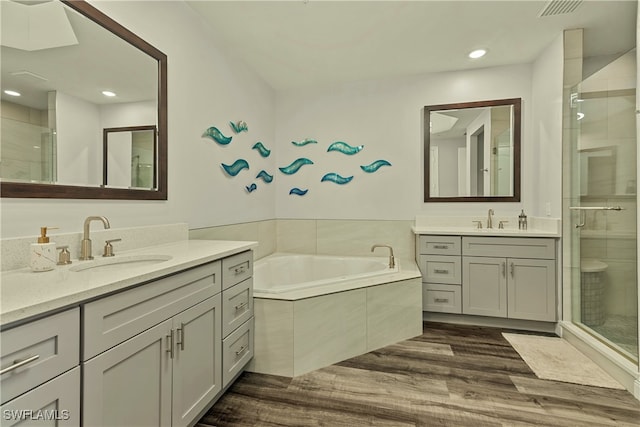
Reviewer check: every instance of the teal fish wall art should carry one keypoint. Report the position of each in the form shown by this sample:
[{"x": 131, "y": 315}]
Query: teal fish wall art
[
  {"x": 338, "y": 179},
  {"x": 375, "y": 166},
  {"x": 304, "y": 142},
  {"x": 252, "y": 187},
  {"x": 235, "y": 168},
  {"x": 264, "y": 176},
  {"x": 215, "y": 134},
  {"x": 298, "y": 191},
  {"x": 259, "y": 146},
  {"x": 295, "y": 166},
  {"x": 345, "y": 148},
  {"x": 240, "y": 126}
]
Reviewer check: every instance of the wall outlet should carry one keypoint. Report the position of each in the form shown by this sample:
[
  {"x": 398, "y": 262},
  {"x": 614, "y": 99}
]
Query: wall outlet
[{"x": 548, "y": 208}]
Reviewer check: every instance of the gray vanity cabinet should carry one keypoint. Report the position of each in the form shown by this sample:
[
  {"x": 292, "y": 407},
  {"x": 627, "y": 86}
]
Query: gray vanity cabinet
[
  {"x": 506, "y": 277},
  {"x": 166, "y": 374},
  {"x": 517, "y": 282}
]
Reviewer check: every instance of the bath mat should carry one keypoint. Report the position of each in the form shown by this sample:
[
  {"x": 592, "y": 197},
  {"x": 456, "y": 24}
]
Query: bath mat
[{"x": 553, "y": 358}]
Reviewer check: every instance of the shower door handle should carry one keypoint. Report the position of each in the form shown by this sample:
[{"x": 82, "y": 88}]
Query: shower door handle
[{"x": 583, "y": 211}]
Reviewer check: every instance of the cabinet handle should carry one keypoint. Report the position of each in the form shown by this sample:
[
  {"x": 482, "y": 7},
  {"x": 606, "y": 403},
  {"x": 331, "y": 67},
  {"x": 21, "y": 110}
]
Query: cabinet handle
[
  {"x": 170, "y": 344},
  {"x": 504, "y": 269},
  {"x": 441, "y": 300},
  {"x": 242, "y": 350},
  {"x": 18, "y": 363},
  {"x": 239, "y": 270},
  {"x": 512, "y": 269},
  {"x": 440, "y": 246},
  {"x": 180, "y": 337},
  {"x": 241, "y": 306},
  {"x": 437, "y": 271}
]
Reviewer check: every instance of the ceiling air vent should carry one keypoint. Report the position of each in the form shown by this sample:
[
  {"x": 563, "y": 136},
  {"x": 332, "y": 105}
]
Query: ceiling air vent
[{"x": 560, "y": 7}]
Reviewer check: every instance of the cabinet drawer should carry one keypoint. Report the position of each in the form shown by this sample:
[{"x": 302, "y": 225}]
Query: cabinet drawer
[
  {"x": 111, "y": 320},
  {"x": 513, "y": 247},
  {"x": 236, "y": 268},
  {"x": 439, "y": 245},
  {"x": 58, "y": 399},
  {"x": 442, "y": 298},
  {"x": 441, "y": 269},
  {"x": 53, "y": 345},
  {"x": 237, "y": 350},
  {"x": 237, "y": 306}
]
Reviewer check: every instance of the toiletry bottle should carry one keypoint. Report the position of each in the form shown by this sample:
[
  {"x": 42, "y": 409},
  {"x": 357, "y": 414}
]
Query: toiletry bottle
[
  {"x": 43, "y": 253},
  {"x": 522, "y": 221}
]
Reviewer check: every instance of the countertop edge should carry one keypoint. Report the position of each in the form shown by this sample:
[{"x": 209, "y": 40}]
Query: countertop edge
[{"x": 23, "y": 312}]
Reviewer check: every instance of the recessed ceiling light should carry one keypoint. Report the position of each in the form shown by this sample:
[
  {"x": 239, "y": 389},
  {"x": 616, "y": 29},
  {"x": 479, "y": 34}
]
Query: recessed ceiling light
[
  {"x": 478, "y": 53},
  {"x": 108, "y": 93},
  {"x": 12, "y": 92}
]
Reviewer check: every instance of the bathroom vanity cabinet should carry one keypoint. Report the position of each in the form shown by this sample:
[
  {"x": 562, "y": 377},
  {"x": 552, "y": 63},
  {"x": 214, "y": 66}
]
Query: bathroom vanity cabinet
[
  {"x": 157, "y": 353},
  {"x": 506, "y": 277}
]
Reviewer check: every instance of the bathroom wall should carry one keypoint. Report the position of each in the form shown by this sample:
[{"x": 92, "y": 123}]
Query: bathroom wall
[
  {"x": 209, "y": 87},
  {"x": 386, "y": 117},
  {"x": 206, "y": 87}
]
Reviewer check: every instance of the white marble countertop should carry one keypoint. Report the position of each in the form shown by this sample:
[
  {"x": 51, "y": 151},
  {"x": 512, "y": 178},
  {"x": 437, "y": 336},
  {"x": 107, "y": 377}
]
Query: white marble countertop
[
  {"x": 472, "y": 231},
  {"x": 25, "y": 294}
]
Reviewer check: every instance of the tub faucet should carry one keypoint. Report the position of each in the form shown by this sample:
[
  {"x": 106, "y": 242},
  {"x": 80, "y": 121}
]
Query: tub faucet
[
  {"x": 392, "y": 260},
  {"x": 490, "y": 219},
  {"x": 85, "y": 249}
]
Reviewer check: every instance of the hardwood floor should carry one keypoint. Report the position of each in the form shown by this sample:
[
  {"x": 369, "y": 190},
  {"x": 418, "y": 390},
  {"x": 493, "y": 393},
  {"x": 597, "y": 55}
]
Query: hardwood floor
[{"x": 451, "y": 375}]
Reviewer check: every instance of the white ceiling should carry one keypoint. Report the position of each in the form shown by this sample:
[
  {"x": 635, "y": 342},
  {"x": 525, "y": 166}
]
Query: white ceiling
[{"x": 321, "y": 42}]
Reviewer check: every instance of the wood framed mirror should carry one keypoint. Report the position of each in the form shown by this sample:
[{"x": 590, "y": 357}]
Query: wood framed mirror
[
  {"x": 472, "y": 151},
  {"x": 62, "y": 80}
]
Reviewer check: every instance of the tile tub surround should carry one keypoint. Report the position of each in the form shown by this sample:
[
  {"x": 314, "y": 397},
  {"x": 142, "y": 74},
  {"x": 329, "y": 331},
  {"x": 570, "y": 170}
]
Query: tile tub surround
[
  {"x": 15, "y": 251},
  {"x": 297, "y": 332},
  {"x": 464, "y": 225},
  {"x": 26, "y": 294},
  {"x": 317, "y": 236}
]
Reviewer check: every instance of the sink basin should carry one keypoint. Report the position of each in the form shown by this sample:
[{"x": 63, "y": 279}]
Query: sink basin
[{"x": 116, "y": 263}]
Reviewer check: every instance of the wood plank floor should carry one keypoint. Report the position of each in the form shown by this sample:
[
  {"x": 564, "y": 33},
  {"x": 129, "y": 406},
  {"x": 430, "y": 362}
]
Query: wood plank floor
[{"x": 451, "y": 375}]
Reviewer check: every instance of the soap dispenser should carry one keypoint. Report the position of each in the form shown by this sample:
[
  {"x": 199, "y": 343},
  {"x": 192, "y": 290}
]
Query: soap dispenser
[
  {"x": 43, "y": 253},
  {"x": 522, "y": 221}
]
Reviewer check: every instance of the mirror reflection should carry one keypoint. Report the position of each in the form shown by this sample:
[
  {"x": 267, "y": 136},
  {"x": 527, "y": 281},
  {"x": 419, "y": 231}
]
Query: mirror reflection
[
  {"x": 129, "y": 157},
  {"x": 64, "y": 83},
  {"x": 472, "y": 151}
]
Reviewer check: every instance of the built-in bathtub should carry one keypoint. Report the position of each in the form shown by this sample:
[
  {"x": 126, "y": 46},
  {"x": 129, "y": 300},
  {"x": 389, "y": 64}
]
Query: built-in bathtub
[{"x": 315, "y": 310}]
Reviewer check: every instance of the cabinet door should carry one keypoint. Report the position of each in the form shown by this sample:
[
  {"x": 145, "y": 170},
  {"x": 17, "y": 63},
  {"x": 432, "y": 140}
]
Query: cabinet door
[
  {"x": 130, "y": 385},
  {"x": 197, "y": 363},
  {"x": 54, "y": 403},
  {"x": 532, "y": 289},
  {"x": 484, "y": 289}
]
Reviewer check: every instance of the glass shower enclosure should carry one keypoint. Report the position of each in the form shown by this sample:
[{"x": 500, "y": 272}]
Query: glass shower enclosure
[{"x": 603, "y": 206}]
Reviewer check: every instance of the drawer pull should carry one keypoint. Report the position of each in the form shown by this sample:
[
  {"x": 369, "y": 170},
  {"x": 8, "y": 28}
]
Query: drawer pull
[
  {"x": 239, "y": 270},
  {"x": 440, "y": 246},
  {"x": 19, "y": 363},
  {"x": 438, "y": 271},
  {"x": 180, "y": 342},
  {"x": 441, "y": 300},
  {"x": 241, "y": 306},
  {"x": 170, "y": 344},
  {"x": 241, "y": 350}
]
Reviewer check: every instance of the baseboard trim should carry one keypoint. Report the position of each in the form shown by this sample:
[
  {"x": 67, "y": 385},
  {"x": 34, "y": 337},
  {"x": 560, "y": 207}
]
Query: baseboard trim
[{"x": 620, "y": 368}]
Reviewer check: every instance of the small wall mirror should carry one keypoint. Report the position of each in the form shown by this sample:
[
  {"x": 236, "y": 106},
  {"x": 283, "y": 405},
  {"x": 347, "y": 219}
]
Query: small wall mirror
[
  {"x": 472, "y": 151},
  {"x": 129, "y": 155},
  {"x": 57, "y": 109}
]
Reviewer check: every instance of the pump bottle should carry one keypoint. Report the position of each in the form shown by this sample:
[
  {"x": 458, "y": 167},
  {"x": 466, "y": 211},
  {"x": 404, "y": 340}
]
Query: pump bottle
[{"x": 43, "y": 253}]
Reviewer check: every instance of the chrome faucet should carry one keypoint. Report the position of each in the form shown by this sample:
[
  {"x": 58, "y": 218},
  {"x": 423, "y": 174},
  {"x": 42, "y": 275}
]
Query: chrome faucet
[
  {"x": 392, "y": 260},
  {"x": 85, "y": 249},
  {"x": 490, "y": 219}
]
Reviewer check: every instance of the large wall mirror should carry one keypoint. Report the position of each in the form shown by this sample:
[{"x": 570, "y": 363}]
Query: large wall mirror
[
  {"x": 472, "y": 151},
  {"x": 69, "y": 74}
]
